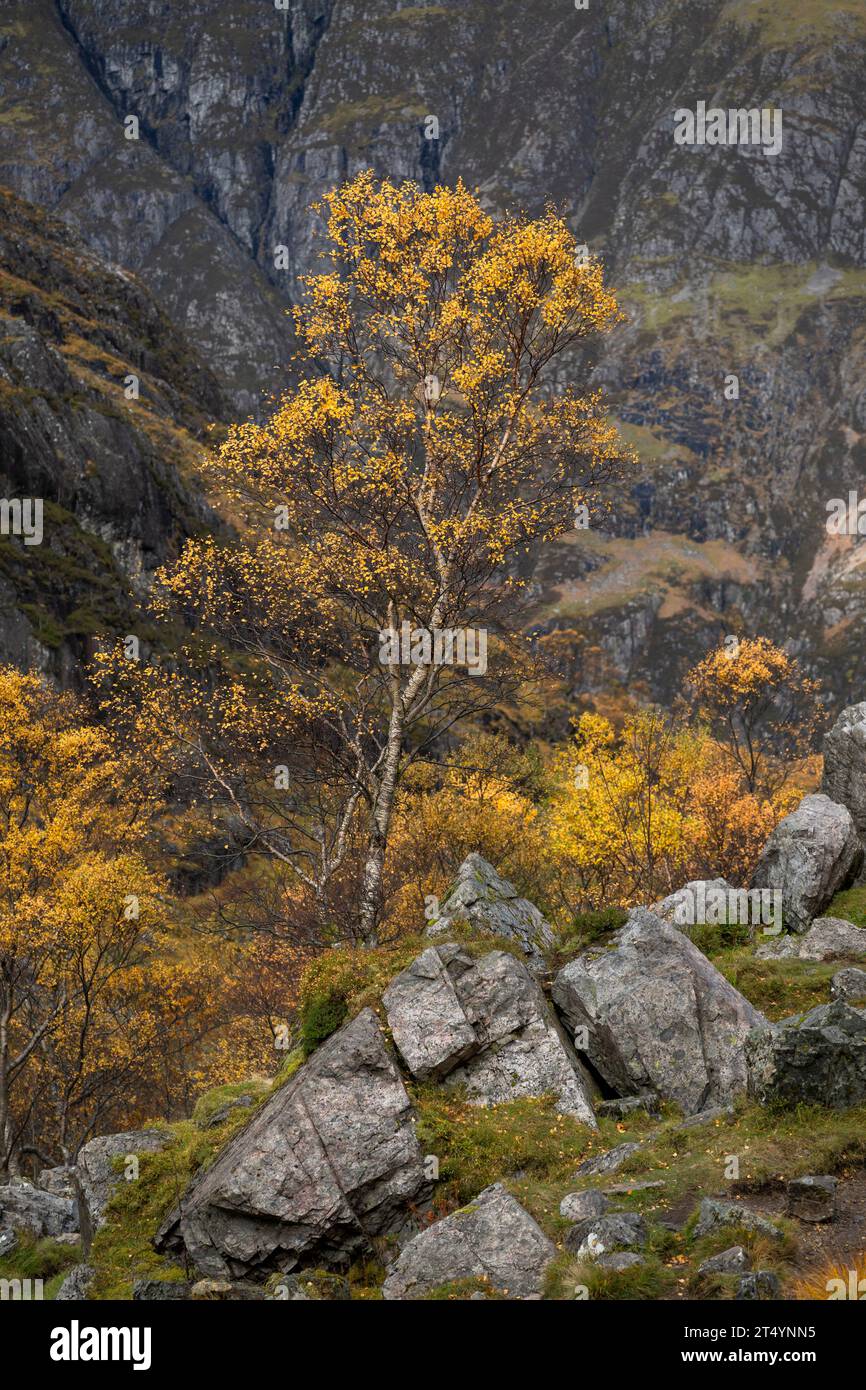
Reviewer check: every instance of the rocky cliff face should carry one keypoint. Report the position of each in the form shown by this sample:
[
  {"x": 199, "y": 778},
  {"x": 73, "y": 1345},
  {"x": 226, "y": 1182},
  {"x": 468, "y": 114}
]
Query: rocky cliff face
[
  {"x": 101, "y": 409},
  {"x": 730, "y": 261}
]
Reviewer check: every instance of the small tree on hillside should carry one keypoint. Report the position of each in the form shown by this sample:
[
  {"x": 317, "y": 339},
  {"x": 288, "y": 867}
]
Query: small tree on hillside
[
  {"x": 385, "y": 505},
  {"x": 92, "y": 1016},
  {"x": 760, "y": 706}
]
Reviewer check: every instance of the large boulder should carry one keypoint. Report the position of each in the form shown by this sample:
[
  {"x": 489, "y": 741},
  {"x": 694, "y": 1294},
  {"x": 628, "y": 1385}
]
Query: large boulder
[
  {"x": 828, "y": 938},
  {"x": 487, "y": 902},
  {"x": 651, "y": 1013},
  {"x": 493, "y": 1238},
  {"x": 810, "y": 855},
  {"x": 27, "y": 1208},
  {"x": 818, "y": 1058},
  {"x": 486, "y": 1025},
  {"x": 328, "y": 1163},
  {"x": 845, "y": 763},
  {"x": 103, "y": 1164}
]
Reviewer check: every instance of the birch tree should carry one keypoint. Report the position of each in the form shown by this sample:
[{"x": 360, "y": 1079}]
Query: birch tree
[{"x": 385, "y": 512}]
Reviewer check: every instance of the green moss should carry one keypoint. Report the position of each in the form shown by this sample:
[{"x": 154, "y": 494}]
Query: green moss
[
  {"x": 321, "y": 1015},
  {"x": 850, "y": 905},
  {"x": 45, "y": 629},
  {"x": 525, "y": 1141},
  {"x": 212, "y": 1101},
  {"x": 459, "y": 1290},
  {"x": 740, "y": 304},
  {"x": 713, "y": 938},
  {"x": 585, "y": 929},
  {"x": 294, "y": 1060},
  {"x": 337, "y": 985},
  {"x": 779, "y": 23},
  {"x": 122, "y": 1251}
]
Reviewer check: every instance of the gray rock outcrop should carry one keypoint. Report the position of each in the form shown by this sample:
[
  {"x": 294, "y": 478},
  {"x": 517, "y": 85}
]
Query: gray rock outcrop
[
  {"x": 716, "y": 1214},
  {"x": 27, "y": 1208},
  {"x": 325, "y": 1165},
  {"x": 100, "y": 1170},
  {"x": 76, "y": 1285},
  {"x": 686, "y": 907},
  {"x": 578, "y": 1206},
  {"x": 613, "y": 1230},
  {"x": 651, "y": 1012},
  {"x": 812, "y": 1198},
  {"x": 828, "y": 938},
  {"x": 485, "y": 901},
  {"x": 849, "y": 985},
  {"x": 493, "y": 1238},
  {"x": 486, "y": 1025},
  {"x": 844, "y": 778},
  {"x": 735, "y": 1260},
  {"x": 818, "y": 1058},
  {"x": 810, "y": 855}
]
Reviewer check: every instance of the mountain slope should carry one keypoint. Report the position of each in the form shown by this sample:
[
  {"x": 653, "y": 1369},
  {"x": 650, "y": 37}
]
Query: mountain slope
[
  {"x": 115, "y": 474},
  {"x": 728, "y": 260}
]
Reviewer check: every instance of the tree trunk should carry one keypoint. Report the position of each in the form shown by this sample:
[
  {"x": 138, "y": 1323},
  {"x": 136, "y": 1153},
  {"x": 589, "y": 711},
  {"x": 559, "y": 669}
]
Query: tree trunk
[{"x": 383, "y": 806}]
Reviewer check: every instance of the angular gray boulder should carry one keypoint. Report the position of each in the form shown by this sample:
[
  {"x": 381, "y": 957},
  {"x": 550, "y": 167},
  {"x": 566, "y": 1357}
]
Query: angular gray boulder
[
  {"x": 484, "y": 1024},
  {"x": 493, "y": 1238},
  {"x": 849, "y": 985},
  {"x": 810, "y": 855},
  {"x": 812, "y": 1198},
  {"x": 844, "y": 778},
  {"x": 482, "y": 899},
  {"x": 27, "y": 1208},
  {"x": 652, "y": 1013},
  {"x": 716, "y": 1213},
  {"x": 763, "y": 1284},
  {"x": 578, "y": 1206},
  {"x": 609, "y": 1162},
  {"x": 598, "y": 1235},
  {"x": 828, "y": 938},
  {"x": 818, "y": 1058},
  {"x": 832, "y": 938},
  {"x": 59, "y": 1180},
  {"x": 329, "y": 1162},
  {"x": 735, "y": 1260}
]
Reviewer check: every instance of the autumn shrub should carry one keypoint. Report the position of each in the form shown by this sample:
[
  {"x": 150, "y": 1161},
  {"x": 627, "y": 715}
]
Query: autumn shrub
[
  {"x": 761, "y": 708},
  {"x": 484, "y": 797},
  {"x": 635, "y": 812}
]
